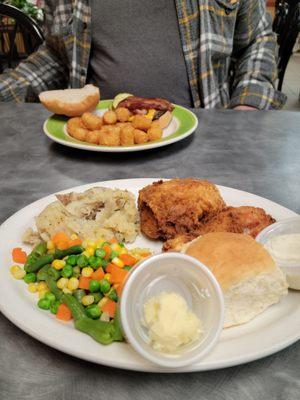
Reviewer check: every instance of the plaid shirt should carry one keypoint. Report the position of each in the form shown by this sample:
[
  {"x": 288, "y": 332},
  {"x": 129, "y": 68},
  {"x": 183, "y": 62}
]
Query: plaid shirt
[{"x": 228, "y": 46}]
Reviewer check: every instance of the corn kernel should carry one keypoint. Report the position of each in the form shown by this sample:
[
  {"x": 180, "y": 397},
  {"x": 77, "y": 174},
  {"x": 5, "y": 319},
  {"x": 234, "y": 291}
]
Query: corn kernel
[
  {"x": 67, "y": 291},
  {"x": 118, "y": 262},
  {"x": 116, "y": 247},
  {"x": 90, "y": 250},
  {"x": 105, "y": 317},
  {"x": 50, "y": 245},
  {"x": 14, "y": 268},
  {"x": 107, "y": 277},
  {"x": 85, "y": 253},
  {"x": 102, "y": 302},
  {"x": 87, "y": 271},
  {"x": 19, "y": 274},
  {"x": 84, "y": 244},
  {"x": 123, "y": 251},
  {"x": 73, "y": 283},
  {"x": 99, "y": 242},
  {"x": 42, "y": 293},
  {"x": 74, "y": 236},
  {"x": 42, "y": 286},
  {"x": 58, "y": 264},
  {"x": 91, "y": 243},
  {"x": 32, "y": 287},
  {"x": 62, "y": 283},
  {"x": 87, "y": 300}
]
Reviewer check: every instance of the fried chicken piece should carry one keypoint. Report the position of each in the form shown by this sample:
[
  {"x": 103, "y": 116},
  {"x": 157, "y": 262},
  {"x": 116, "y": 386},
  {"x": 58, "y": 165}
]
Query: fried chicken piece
[
  {"x": 244, "y": 219},
  {"x": 175, "y": 207}
]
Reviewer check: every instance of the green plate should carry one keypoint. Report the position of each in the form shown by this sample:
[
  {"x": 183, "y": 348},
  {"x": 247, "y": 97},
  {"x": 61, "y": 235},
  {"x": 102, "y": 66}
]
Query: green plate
[{"x": 183, "y": 124}]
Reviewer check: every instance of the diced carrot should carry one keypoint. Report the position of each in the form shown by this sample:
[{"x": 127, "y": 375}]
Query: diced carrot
[
  {"x": 118, "y": 288},
  {"x": 19, "y": 256},
  {"x": 63, "y": 312},
  {"x": 84, "y": 282},
  {"x": 75, "y": 242},
  {"x": 117, "y": 274},
  {"x": 63, "y": 245},
  {"x": 98, "y": 274},
  {"x": 128, "y": 259},
  {"x": 113, "y": 240},
  {"x": 109, "y": 267},
  {"x": 60, "y": 237},
  {"x": 110, "y": 308},
  {"x": 146, "y": 254},
  {"x": 107, "y": 250}
]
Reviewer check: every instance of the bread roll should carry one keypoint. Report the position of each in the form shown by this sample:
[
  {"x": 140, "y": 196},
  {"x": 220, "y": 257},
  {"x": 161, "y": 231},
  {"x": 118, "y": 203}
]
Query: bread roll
[
  {"x": 249, "y": 278},
  {"x": 71, "y": 102}
]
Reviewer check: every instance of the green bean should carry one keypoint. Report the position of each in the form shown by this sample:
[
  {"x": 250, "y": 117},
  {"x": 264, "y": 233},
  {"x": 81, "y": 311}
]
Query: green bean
[
  {"x": 118, "y": 336},
  {"x": 42, "y": 274},
  {"x": 76, "y": 308},
  {"x": 39, "y": 250},
  {"x": 40, "y": 262},
  {"x": 100, "y": 331},
  {"x": 53, "y": 288},
  {"x": 59, "y": 254}
]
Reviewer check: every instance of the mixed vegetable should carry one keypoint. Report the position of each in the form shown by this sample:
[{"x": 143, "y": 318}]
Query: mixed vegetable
[{"x": 79, "y": 280}]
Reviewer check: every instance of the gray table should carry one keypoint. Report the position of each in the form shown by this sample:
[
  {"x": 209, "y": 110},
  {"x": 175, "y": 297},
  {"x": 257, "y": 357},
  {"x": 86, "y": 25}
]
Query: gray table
[{"x": 254, "y": 151}]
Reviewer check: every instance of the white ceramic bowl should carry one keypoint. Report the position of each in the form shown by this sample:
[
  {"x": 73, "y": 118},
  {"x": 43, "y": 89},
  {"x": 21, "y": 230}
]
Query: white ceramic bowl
[
  {"x": 172, "y": 272},
  {"x": 286, "y": 226}
]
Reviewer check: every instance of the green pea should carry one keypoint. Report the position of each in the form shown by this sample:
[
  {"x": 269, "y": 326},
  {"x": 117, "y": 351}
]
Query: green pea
[
  {"x": 104, "y": 286},
  {"x": 100, "y": 253},
  {"x": 97, "y": 297},
  {"x": 44, "y": 303},
  {"x": 79, "y": 294},
  {"x": 54, "y": 273},
  {"x": 30, "y": 277},
  {"x": 95, "y": 262},
  {"x": 50, "y": 296},
  {"x": 72, "y": 260},
  {"x": 93, "y": 311},
  {"x": 113, "y": 295},
  {"x": 114, "y": 254},
  {"x": 94, "y": 286},
  {"x": 82, "y": 261},
  {"x": 76, "y": 271},
  {"x": 127, "y": 267},
  {"x": 54, "y": 307},
  {"x": 67, "y": 271}
]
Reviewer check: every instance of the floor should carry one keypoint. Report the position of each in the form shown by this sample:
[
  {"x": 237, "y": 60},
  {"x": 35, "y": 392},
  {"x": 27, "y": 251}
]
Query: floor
[{"x": 291, "y": 83}]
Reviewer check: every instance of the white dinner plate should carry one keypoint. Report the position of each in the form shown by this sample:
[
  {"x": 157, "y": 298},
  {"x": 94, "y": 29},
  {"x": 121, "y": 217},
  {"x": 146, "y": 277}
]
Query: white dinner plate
[{"x": 273, "y": 330}]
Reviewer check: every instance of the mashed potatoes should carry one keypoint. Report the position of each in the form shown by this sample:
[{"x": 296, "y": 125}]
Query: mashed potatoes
[{"x": 97, "y": 212}]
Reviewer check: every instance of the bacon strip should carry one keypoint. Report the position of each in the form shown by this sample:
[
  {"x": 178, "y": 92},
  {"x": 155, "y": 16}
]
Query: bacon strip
[{"x": 133, "y": 103}]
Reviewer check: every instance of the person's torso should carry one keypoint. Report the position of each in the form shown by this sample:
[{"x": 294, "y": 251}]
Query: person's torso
[{"x": 136, "y": 48}]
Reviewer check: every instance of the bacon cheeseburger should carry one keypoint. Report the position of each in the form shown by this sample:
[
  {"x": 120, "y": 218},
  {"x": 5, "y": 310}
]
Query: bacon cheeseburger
[{"x": 155, "y": 109}]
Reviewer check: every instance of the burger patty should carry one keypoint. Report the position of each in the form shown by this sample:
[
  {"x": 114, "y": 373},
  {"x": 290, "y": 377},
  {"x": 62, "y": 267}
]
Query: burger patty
[{"x": 134, "y": 103}]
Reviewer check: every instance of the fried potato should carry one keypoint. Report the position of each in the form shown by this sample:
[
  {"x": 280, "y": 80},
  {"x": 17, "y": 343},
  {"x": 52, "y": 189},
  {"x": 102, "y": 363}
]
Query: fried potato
[
  {"x": 123, "y": 114},
  {"x": 109, "y": 117},
  {"x": 76, "y": 129},
  {"x": 91, "y": 121},
  {"x": 109, "y": 137},
  {"x": 154, "y": 133},
  {"x": 92, "y": 137},
  {"x": 127, "y": 136},
  {"x": 140, "y": 136},
  {"x": 141, "y": 122}
]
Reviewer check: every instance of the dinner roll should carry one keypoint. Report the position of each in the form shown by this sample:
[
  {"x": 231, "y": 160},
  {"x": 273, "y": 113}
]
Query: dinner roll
[{"x": 249, "y": 278}]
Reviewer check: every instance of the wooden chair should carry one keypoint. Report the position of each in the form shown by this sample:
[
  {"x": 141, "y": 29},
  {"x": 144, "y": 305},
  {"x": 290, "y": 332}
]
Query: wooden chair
[
  {"x": 20, "y": 36},
  {"x": 287, "y": 26}
]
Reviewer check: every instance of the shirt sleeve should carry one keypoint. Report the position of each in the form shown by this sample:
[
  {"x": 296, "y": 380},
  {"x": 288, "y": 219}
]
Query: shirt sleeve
[
  {"x": 255, "y": 70},
  {"x": 42, "y": 70}
]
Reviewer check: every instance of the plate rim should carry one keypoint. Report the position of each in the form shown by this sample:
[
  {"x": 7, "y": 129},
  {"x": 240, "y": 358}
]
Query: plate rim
[
  {"x": 124, "y": 149},
  {"x": 203, "y": 366}
]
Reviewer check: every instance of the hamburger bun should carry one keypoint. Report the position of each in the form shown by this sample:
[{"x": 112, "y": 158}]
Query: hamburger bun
[
  {"x": 249, "y": 278},
  {"x": 71, "y": 102}
]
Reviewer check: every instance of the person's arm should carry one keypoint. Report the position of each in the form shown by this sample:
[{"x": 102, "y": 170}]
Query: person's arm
[
  {"x": 255, "y": 54},
  {"x": 42, "y": 70}
]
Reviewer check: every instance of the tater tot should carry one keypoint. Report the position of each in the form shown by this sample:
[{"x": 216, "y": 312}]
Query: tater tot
[
  {"x": 92, "y": 137},
  {"x": 154, "y": 133},
  {"x": 91, "y": 121},
  {"x": 155, "y": 123},
  {"x": 123, "y": 114},
  {"x": 80, "y": 134},
  {"x": 127, "y": 136},
  {"x": 109, "y": 117},
  {"x": 141, "y": 122},
  {"x": 109, "y": 138},
  {"x": 140, "y": 136},
  {"x": 74, "y": 123}
]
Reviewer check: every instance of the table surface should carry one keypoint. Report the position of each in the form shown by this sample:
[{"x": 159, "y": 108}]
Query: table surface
[{"x": 258, "y": 152}]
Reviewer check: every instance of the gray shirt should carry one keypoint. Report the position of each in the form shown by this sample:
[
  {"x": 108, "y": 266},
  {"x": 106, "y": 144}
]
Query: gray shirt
[{"x": 136, "y": 48}]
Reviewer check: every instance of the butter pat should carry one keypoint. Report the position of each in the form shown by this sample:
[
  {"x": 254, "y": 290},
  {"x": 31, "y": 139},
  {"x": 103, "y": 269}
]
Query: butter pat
[{"x": 170, "y": 323}]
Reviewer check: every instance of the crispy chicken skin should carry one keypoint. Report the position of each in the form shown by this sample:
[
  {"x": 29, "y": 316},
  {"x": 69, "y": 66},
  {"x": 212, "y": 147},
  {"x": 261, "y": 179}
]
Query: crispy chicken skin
[
  {"x": 244, "y": 219},
  {"x": 175, "y": 207}
]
